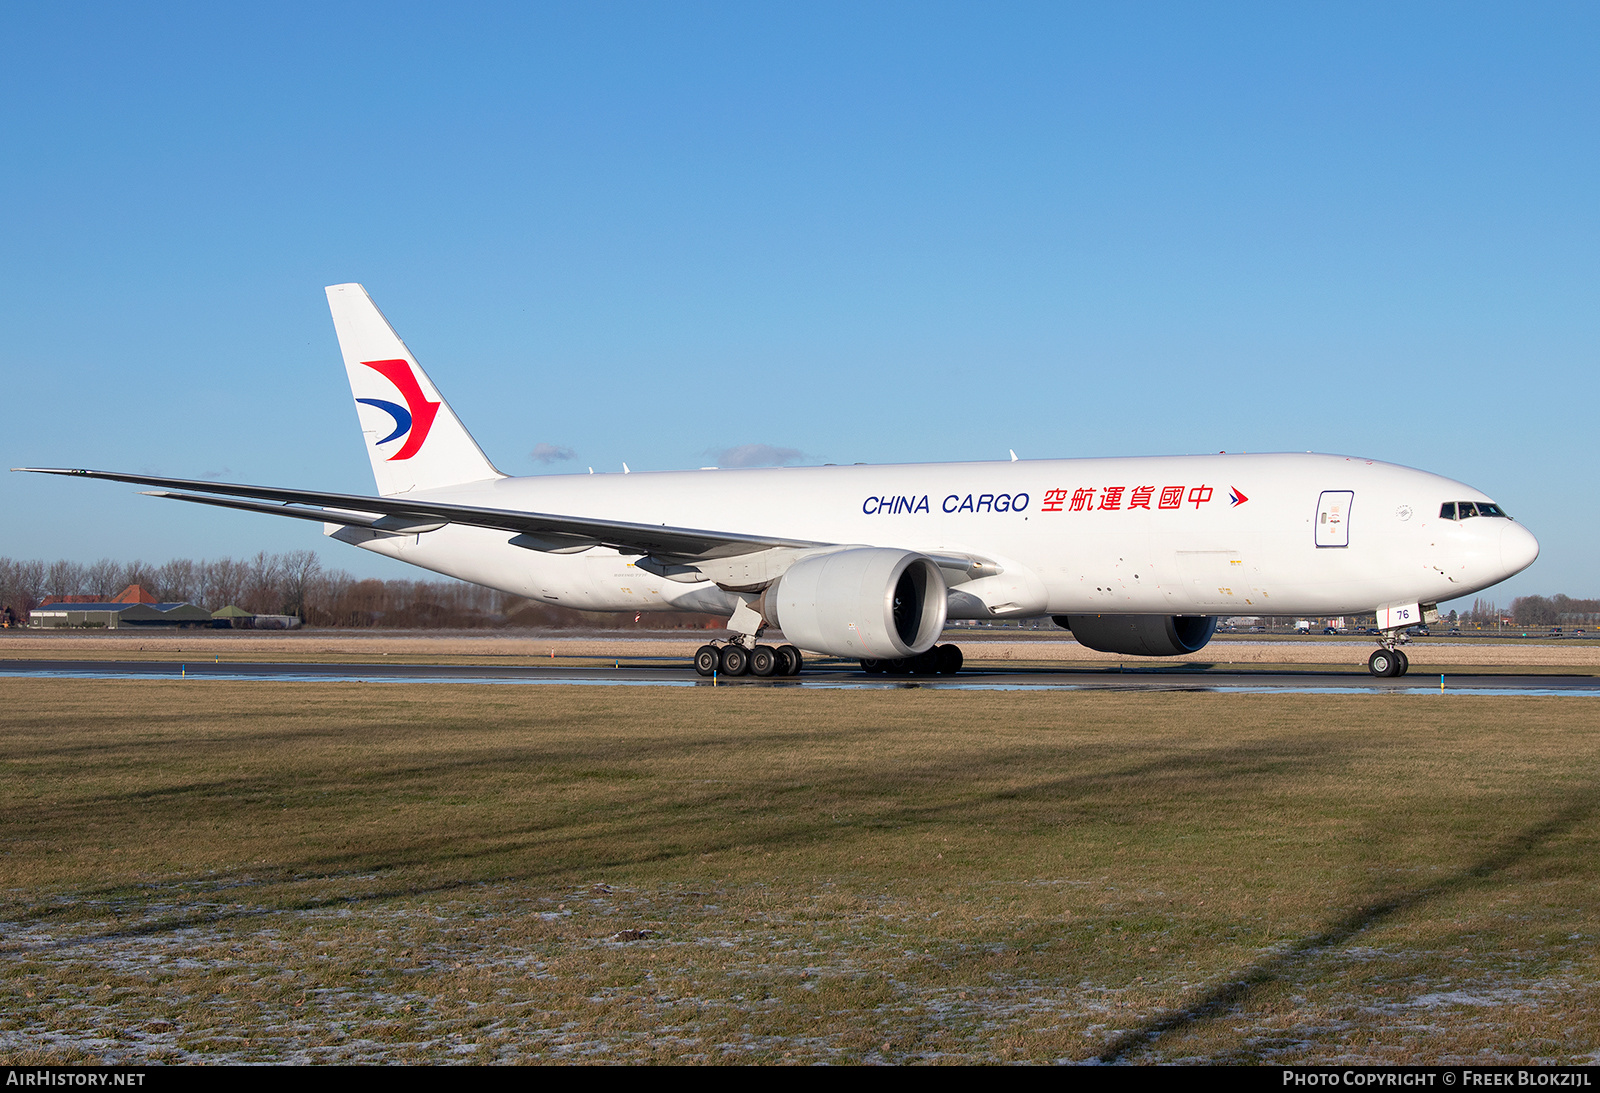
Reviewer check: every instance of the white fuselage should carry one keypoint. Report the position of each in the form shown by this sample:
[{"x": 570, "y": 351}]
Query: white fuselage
[{"x": 1072, "y": 536}]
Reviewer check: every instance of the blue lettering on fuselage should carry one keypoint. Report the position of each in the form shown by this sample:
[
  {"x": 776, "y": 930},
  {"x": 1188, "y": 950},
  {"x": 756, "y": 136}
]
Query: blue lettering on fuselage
[
  {"x": 955, "y": 502},
  {"x": 877, "y": 506}
]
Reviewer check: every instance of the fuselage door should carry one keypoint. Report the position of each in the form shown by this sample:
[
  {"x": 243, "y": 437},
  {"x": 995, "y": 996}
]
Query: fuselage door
[{"x": 1333, "y": 518}]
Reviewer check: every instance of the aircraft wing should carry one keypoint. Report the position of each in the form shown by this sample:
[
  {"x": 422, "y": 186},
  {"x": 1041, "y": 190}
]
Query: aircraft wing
[{"x": 534, "y": 530}]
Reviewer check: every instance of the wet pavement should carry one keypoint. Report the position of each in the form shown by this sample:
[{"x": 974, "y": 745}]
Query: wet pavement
[{"x": 828, "y": 673}]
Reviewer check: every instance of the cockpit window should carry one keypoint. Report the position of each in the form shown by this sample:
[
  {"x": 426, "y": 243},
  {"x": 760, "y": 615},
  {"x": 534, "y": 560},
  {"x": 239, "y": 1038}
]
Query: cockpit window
[{"x": 1462, "y": 510}]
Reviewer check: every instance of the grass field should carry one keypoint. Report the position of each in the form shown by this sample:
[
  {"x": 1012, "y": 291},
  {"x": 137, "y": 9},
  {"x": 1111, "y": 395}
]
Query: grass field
[{"x": 276, "y": 872}]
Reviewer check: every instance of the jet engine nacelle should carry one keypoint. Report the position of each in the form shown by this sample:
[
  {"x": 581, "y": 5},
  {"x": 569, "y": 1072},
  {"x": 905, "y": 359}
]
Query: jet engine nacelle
[
  {"x": 867, "y": 602},
  {"x": 1141, "y": 635}
]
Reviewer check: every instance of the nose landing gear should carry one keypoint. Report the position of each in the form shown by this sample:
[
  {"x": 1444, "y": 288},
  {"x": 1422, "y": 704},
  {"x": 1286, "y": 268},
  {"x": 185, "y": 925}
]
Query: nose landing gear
[{"x": 1388, "y": 662}]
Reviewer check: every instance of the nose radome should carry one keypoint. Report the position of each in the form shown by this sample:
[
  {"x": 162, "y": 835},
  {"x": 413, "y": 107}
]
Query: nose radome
[{"x": 1518, "y": 548}]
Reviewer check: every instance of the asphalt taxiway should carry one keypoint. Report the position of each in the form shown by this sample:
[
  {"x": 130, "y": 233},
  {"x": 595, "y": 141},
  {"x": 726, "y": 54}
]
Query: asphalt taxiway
[{"x": 826, "y": 673}]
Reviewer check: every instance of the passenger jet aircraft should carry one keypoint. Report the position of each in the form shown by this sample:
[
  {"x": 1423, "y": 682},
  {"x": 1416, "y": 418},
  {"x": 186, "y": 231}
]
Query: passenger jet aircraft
[{"x": 1136, "y": 556}]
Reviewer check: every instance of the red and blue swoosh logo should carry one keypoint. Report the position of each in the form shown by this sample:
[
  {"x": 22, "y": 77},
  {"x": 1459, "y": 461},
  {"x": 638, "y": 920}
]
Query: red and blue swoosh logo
[{"x": 415, "y": 417}]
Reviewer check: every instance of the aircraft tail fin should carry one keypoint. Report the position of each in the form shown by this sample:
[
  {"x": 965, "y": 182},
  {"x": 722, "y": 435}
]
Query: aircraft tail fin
[{"x": 414, "y": 439}]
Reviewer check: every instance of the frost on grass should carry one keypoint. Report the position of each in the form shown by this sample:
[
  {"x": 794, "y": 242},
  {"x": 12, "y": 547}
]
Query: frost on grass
[
  {"x": 296, "y": 875},
  {"x": 603, "y": 973}
]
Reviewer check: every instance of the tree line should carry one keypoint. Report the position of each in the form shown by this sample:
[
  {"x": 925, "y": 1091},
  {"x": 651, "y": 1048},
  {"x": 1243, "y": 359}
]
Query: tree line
[
  {"x": 296, "y": 583},
  {"x": 1557, "y": 610}
]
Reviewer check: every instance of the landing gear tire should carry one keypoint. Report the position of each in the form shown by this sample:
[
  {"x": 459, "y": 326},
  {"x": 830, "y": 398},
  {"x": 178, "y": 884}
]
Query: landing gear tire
[
  {"x": 925, "y": 664},
  {"x": 896, "y": 667},
  {"x": 1384, "y": 664},
  {"x": 1405, "y": 662},
  {"x": 763, "y": 661},
  {"x": 706, "y": 660},
  {"x": 735, "y": 661},
  {"x": 789, "y": 660},
  {"x": 873, "y": 667},
  {"x": 950, "y": 659}
]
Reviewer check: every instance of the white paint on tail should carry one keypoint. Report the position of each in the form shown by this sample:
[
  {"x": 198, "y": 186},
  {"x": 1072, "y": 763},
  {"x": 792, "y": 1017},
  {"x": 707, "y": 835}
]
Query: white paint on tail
[{"x": 413, "y": 438}]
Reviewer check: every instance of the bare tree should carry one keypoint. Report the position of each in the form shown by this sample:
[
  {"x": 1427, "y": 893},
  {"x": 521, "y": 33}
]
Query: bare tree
[
  {"x": 64, "y": 578},
  {"x": 176, "y": 582},
  {"x": 299, "y": 569},
  {"x": 1533, "y": 611},
  {"x": 22, "y": 585},
  {"x": 139, "y": 573},
  {"x": 262, "y": 592},
  {"x": 99, "y": 578},
  {"x": 222, "y": 582}
]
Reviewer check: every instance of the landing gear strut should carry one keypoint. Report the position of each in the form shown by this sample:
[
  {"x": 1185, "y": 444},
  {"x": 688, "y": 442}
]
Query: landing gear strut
[
  {"x": 736, "y": 655},
  {"x": 944, "y": 660}
]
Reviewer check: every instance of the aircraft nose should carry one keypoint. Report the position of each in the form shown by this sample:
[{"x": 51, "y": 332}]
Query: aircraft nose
[{"x": 1518, "y": 548}]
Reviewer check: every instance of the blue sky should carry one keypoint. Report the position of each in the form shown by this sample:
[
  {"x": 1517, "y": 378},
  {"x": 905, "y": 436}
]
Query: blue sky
[{"x": 881, "y": 233}]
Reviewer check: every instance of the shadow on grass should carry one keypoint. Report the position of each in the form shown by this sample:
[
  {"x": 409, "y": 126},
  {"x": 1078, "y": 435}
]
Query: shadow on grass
[
  {"x": 1226, "y": 998},
  {"x": 643, "y": 827}
]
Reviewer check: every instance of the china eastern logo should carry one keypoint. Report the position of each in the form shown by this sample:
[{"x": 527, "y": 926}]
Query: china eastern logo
[{"x": 414, "y": 418}]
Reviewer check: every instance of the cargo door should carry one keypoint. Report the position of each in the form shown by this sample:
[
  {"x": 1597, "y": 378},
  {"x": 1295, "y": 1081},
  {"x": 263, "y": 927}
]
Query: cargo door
[{"x": 1333, "y": 518}]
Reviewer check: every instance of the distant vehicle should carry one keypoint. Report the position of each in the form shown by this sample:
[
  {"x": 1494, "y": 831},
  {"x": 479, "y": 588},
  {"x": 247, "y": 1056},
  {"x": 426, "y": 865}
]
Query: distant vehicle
[
  {"x": 1455, "y": 632},
  {"x": 1329, "y": 630},
  {"x": 1422, "y": 632}
]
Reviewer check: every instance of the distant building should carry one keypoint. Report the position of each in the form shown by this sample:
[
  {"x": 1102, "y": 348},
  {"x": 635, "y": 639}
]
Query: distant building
[
  {"x": 134, "y": 593},
  {"x": 133, "y": 607},
  {"x": 237, "y": 618}
]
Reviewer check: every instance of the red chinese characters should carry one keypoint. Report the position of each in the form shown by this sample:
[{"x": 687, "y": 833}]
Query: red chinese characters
[{"x": 1124, "y": 498}]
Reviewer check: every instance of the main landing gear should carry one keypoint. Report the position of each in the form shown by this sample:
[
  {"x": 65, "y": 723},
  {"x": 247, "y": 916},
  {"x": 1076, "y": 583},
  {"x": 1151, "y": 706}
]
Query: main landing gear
[
  {"x": 735, "y": 659},
  {"x": 1389, "y": 661},
  {"x": 944, "y": 660}
]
